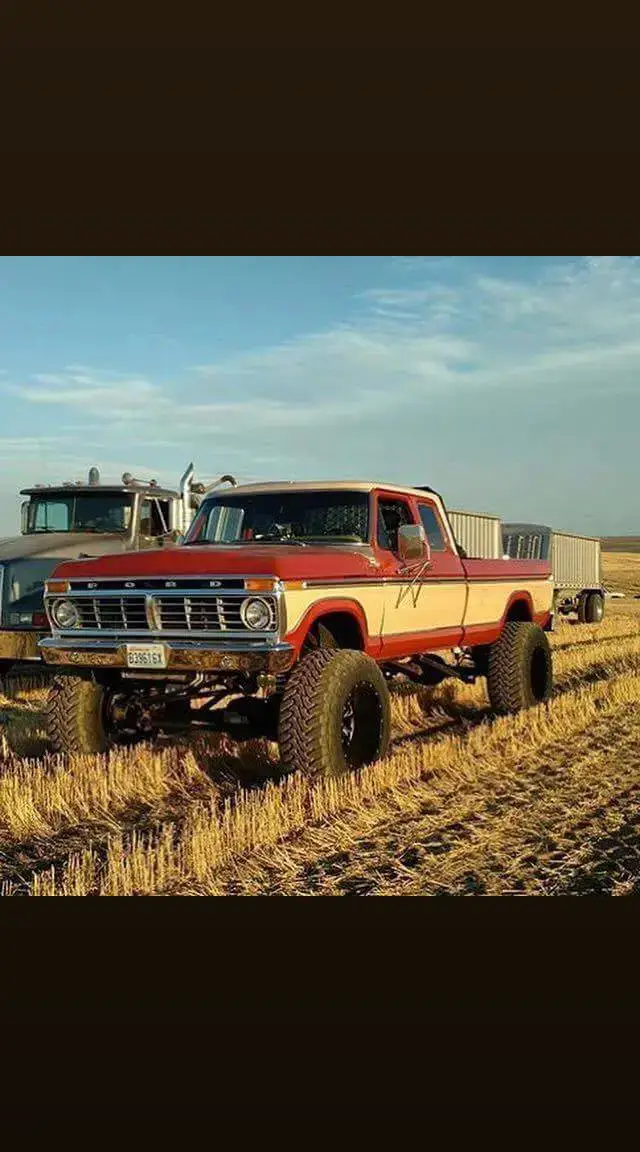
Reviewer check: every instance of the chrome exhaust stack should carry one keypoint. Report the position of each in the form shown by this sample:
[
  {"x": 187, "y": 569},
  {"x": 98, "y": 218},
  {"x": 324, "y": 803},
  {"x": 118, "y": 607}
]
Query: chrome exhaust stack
[
  {"x": 231, "y": 480},
  {"x": 185, "y": 495}
]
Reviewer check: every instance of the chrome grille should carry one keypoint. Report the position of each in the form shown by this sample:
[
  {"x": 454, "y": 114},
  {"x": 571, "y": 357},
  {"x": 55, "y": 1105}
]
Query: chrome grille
[
  {"x": 113, "y": 613},
  {"x": 201, "y": 613},
  {"x": 174, "y": 613}
]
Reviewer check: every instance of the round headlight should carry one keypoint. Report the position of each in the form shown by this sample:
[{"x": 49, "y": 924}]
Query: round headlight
[
  {"x": 65, "y": 614},
  {"x": 256, "y": 614}
]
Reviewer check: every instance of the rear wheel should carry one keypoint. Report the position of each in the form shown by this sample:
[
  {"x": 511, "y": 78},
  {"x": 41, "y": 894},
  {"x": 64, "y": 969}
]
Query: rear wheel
[
  {"x": 591, "y": 608},
  {"x": 335, "y": 714},
  {"x": 520, "y": 673}
]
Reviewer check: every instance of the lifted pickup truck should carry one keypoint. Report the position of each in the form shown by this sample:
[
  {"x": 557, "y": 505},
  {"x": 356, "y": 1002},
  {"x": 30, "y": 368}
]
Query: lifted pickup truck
[
  {"x": 302, "y": 601},
  {"x": 71, "y": 521}
]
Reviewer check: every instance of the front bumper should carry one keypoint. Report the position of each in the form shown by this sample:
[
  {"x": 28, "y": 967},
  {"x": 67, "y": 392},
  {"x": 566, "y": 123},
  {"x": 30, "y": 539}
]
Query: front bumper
[
  {"x": 182, "y": 655},
  {"x": 20, "y": 647}
]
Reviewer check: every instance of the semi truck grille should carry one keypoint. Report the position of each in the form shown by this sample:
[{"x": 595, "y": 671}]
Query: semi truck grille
[{"x": 217, "y": 614}]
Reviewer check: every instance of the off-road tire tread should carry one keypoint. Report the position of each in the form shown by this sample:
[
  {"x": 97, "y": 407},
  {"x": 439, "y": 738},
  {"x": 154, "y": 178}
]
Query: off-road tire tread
[
  {"x": 72, "y": 712},
  {"x": 508, "y": 690},
  {"x": 303, "y": 732}
]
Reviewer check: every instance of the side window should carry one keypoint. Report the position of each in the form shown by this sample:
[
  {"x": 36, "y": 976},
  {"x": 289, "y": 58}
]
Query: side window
[
  {"x": 154, "y": 518},
  {"x": 160, "y": 517},
  {"x": 392, "y": 515},
  {"x": 432, "y": 527}
]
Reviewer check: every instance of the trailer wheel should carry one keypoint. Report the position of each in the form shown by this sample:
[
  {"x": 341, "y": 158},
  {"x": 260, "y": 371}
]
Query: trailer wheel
[
  {"x": 591, "y": 608},
  {"x": 335, "y": 714},
  {"x": 520, "y": 669}
]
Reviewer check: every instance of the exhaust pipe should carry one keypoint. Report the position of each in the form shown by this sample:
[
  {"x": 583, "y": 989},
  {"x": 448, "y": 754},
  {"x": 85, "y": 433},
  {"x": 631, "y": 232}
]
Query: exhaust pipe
[
  {"x": 231, "y": 480},
  {"x": 185, "y": 494}
]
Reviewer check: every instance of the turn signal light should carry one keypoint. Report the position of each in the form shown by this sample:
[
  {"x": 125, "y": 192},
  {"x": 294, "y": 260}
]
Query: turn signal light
[
  {"x": 295, "y": 585},
  {"x": 57, "y": 587},
  {"x": 258, "y": 585}
]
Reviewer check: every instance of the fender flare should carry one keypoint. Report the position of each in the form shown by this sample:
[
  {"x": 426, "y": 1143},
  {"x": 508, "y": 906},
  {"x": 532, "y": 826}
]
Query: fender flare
[{"x": 329, "y": 608}]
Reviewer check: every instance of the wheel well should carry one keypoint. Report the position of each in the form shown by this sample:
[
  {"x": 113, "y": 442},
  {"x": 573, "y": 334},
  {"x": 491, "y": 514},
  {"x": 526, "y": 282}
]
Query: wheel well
[
  {"x": 344, "y": 629},
  {"x": 519, "y": 611}
]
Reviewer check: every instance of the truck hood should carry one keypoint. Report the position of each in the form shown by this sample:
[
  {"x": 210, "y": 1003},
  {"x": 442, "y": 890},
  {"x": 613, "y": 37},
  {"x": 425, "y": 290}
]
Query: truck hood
[
  {"x": 69, "y": 545},
  {"x": 283, "y": 561}
]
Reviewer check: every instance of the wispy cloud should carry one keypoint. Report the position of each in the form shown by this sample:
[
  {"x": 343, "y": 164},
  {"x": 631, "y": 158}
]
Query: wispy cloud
[
  {"x": 105, "y": 395},
  {"x": 435, "y": 347},
  {"x": 411, "y": 342}
]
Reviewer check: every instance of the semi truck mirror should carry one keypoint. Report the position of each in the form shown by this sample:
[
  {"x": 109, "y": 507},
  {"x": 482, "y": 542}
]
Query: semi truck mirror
[{"x": 24, "y": 518}]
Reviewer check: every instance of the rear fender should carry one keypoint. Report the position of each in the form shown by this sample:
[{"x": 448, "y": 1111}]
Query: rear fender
[{"x": 518, "y": 607}]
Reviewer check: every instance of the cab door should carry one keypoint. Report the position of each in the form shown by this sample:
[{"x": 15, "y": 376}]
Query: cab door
[
  {"x": 154, "y": 523},
  {"x": 424, "y": 604}
]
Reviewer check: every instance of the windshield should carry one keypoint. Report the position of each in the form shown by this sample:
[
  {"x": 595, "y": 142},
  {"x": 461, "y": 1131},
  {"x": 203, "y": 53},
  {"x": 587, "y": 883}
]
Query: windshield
[
  {"x": 79, "y": 513},
  {"x": 298, "y": 517}
]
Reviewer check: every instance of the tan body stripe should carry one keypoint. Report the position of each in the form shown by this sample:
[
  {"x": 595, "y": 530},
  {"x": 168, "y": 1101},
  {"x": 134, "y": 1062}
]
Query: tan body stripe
[{"x": 429, "y": 606}]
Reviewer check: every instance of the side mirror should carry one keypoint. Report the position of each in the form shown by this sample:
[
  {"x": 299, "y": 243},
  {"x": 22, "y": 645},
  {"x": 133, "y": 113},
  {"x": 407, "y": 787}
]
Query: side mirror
[
  {"x": 24, "y": 518},
  {"x": 413, "y": 545},
  {"x": 171, "y": 539}
]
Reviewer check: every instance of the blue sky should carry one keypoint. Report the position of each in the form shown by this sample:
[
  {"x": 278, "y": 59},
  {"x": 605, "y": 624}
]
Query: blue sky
[{"x": 511, "y": 383}]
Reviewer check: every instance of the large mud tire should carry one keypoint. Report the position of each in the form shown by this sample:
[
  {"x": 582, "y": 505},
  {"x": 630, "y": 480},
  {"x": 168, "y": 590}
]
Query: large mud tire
[
  {"x": 335, "y": 714},
  {"x": 520, "y": 669},
  {"x": 74, "y": 711}
]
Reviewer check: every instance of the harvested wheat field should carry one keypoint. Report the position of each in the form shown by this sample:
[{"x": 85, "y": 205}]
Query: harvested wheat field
[{"x": 547, "y": 803}]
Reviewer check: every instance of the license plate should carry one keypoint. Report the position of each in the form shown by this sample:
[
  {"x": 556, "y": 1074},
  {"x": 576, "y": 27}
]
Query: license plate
[{"x": 146, "y": 656}]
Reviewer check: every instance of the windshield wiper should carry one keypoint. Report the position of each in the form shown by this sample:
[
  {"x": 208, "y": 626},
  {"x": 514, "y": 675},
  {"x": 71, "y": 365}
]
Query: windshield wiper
[
  {"x": 276, "y": 540},
  {"x": 244, "y": 543}
]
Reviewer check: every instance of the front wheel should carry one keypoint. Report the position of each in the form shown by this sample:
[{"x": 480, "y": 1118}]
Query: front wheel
[
  {"x": 88, "y": 718},
  {"x": 335, "y": 714},
  {"x": 520, "y": 673}
]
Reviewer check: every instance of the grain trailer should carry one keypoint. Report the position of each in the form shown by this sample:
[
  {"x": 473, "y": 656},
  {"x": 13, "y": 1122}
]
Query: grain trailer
[
  {"x": 479, "y": 535},
  {"x": 576, "y": 563}
]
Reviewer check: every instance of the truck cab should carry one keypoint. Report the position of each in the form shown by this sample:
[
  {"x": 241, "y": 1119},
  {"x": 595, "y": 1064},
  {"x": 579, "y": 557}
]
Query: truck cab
[{"x": 74, "y": 521}]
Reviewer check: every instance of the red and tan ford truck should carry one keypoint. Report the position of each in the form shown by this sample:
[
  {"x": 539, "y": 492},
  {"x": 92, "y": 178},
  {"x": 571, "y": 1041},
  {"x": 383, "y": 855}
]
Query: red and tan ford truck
[{"x": 296, "y": 604}]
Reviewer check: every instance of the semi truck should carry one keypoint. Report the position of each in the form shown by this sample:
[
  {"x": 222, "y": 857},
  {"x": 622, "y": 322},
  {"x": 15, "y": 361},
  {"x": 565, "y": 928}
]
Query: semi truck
[
  {"x": 576, "y": 564},
  {"x": 78, "y": 520}
]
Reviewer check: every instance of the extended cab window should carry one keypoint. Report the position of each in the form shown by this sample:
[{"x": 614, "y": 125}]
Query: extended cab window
[
  {"x": 392, "y": 515},
  {"x": 431, "y": 525}
]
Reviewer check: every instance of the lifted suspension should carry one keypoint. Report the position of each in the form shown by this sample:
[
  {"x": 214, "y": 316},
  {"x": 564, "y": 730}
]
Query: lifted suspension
[{"x": 429, "y": 671}]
